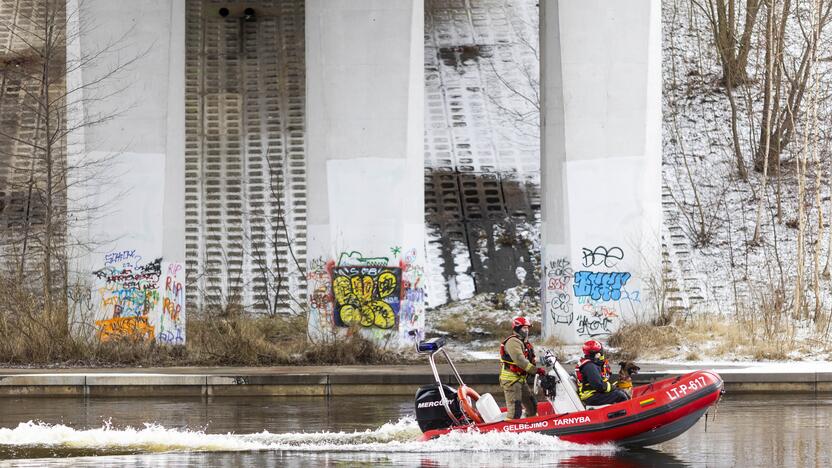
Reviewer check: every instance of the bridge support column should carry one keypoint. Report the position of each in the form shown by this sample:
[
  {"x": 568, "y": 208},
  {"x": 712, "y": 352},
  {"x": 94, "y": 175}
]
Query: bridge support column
[
  {"x": 125, "y": 158},
  {"x": 601, "y": 163},
  {"x": 365, "y": 167}
]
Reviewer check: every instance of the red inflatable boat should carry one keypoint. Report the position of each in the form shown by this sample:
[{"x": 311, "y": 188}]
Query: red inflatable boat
[{"x": 657, "y": 412}]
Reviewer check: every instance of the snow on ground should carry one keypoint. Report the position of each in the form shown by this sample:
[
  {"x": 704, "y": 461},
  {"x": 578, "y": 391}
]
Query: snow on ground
[
  {"x": 739, "y": 278},
  {"x": 484, "y": 319},
  {"x": 697, "y": 135},
  {"x": 729, "y": 367},
  {"x": 736, "y": 277}
]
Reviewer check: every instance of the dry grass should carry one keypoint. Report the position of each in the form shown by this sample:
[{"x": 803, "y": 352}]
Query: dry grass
[
  {"x": 709, "y": 337},
  {"x": 463, "y": 328},
  {"x": 556, "y": 345},
  {"x": 245, "y": 340},
  {"x": 639, "y": 340},
  {"x": 30, "y": 337},
  {"x": 551, "y": 342},
  {"x": 484, "y": 318},
  {"x": 256, "y": 341},
  {"x": 23, "y": 322}
]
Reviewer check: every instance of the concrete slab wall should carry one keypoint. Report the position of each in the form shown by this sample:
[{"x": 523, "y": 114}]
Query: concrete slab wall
[
  {"x": 373, "y": 380},
  {"x": 601, "y": 158},
  {"x": 365, "y": 166},
  {"x": 125, "y": 64}
]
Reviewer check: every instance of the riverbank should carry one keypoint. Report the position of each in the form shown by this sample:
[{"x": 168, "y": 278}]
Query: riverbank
[{"x": 739, "y": 378}]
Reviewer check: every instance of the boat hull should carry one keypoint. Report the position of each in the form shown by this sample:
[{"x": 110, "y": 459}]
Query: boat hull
[{"x": 657, "y": 412}]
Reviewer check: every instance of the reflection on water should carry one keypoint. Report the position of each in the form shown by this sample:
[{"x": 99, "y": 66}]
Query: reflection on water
[
  {"x": 378, "y": 431},
  {"x": 452, "y": 460}
]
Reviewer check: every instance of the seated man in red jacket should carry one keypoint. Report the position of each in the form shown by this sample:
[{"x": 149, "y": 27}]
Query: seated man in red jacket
[{"x": 593, "y": 374}]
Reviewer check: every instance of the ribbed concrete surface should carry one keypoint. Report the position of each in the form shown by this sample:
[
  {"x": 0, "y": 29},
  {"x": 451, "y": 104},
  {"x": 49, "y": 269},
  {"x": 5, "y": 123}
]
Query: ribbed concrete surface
[{"x": 245, "y": 176}]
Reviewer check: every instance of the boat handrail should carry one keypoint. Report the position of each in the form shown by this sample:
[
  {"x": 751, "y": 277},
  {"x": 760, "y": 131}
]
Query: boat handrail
[{"x": 436, "y": 346}]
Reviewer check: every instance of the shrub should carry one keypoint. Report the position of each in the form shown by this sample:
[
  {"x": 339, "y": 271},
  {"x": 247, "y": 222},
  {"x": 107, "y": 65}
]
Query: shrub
[{"x": 30, "y": 336}]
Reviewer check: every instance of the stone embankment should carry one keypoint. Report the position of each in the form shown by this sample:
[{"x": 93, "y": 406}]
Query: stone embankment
[{"x": 354, "y": 380}]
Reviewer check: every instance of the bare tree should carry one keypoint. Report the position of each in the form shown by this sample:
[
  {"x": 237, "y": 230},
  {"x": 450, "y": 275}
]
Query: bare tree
[
  {"x": 787, "y": 82},
  {"x": 37, "y": 65},
  {"x": 769, "y": 63},
  {"x": 33, "y": 143},
  {"x": 732, "y": 50},
  {"x": 517, "y": 97},
  {"x": 732, "y": 46},
  {"x": 274, "y": 263}
]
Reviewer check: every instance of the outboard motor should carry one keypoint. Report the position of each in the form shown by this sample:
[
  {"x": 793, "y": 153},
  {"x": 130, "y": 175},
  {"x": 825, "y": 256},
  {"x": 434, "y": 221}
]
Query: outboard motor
[{"x": 430, "y": 413}]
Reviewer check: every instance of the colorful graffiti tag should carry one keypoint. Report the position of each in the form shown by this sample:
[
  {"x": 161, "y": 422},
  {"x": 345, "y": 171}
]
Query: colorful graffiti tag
[
  {"x": 382, "y": 296},
  {"x": 319, "y": 285},
  {"x": 128, "y": 294},
  {"x": 125, "y": 327},
  {"x": 591, "y": 302},
  {"x": 369, "y": 296},
  {"x": 358, "y": 259},
  {"x": 140, "y": 301},
  {"x": 600, "y": 294},
  {"x": 171, "y": 324},
  {"x": 412, "y": 320},
  {"x": 599, "y": 285},
  {"x": 559, "y": 301}
]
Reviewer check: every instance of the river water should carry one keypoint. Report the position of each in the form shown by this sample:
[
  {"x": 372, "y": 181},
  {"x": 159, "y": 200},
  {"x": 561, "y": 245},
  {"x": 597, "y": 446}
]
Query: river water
[{"x": 376, "y": 431}]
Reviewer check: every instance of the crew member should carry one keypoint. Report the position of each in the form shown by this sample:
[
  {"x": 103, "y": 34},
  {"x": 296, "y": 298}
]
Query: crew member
[
  {"x": 517, "y": 362},
  {"x": 593, "y": 375}
]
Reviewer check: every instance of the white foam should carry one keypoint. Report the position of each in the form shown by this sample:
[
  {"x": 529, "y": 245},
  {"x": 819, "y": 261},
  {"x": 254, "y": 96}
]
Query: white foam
[{"x": 399, "y": 436}]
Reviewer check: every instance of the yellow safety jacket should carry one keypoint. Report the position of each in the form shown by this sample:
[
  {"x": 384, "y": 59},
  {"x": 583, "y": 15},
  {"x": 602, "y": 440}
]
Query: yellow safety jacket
[
  {"x": 510, "y": 371},
  {"x": 584, "y": 389}
]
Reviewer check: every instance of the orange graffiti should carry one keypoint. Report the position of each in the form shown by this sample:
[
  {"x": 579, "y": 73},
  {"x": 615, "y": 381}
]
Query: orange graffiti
[
  {"x": 172, "y": 309},
  {"x": 133, "y": 327}
]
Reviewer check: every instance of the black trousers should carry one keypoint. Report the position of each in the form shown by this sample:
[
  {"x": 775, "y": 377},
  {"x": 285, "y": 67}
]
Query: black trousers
[{"x": 609, "y": 398}]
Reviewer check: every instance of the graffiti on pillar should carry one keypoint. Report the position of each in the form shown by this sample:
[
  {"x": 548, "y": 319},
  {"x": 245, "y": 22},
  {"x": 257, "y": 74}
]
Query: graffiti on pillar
[
  {"x": 128, "y": 293},
  {"x": 373, "y": 293},
  {"x": 319, "y": 287},
  {"x": 358, "y": 259},
  {"x": 602, "y": 256},
  {"x": 592, "y": 327},
  {"x": 596, "y": 318},
  {"x": 137, "y": 327},
  {"x": 369, "y": 296},
  {"x": 601, "y": 295},
  {"x": 600, "y": 285},
  {"x": 412, "y": 317},
  {"x": 558, "y": 275},
  {"x": 138, "y": 300},
  {"x": 171, "y": 325}
]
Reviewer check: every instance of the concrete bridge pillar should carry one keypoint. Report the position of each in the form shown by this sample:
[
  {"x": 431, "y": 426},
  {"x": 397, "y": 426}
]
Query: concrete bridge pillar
[
  {"x": 125, "y": 158},
  {"x": 601, "y": 158},
  {"x": 365, "y": 167}
]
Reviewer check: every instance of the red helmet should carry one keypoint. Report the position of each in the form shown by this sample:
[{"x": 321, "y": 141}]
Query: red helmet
[
  {"x": 592, "y": 346},
  {"x": 520, "y": 322}
]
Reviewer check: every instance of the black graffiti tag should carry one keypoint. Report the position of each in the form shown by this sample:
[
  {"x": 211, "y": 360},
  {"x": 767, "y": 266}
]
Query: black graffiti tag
[
  {"x": 609, "y": 257},
  {"x": 593, "y": 326},
  {"x": 562, "y": 308}
]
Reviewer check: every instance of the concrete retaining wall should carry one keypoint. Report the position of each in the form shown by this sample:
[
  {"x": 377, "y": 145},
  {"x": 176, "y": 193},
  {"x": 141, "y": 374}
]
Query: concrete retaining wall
[{"x": 332, "y": 384}]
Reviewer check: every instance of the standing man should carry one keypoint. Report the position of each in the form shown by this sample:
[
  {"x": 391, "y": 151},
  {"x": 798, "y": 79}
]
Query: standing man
[
  {"x": 593, "y": 375},
  {"x": 517, "y": 362}
]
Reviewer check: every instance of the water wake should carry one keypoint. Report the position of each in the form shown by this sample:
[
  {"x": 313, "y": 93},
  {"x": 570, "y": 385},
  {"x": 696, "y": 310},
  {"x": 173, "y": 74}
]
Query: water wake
[{"x": 399, "y": 436}]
